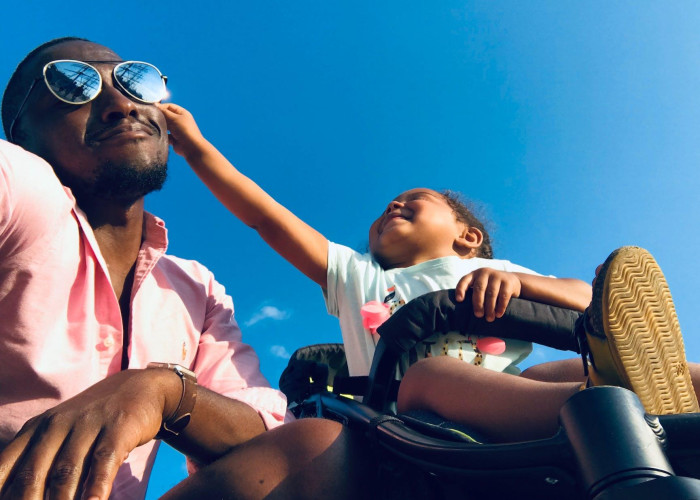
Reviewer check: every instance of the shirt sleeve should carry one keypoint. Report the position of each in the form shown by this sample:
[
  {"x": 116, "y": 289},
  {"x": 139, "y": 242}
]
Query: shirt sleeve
[
  {"x": 230, "y": 367},
  {"x": 345, "y": 265},
  {"x": 500, "y": 264},
  {"x": 5, "y": 183},
  {"x": 32, "y": 200},
  {"x": 330, "y": 293},
  {"x": 515, "y": 268},
  {"x": 225, "y": 364}
]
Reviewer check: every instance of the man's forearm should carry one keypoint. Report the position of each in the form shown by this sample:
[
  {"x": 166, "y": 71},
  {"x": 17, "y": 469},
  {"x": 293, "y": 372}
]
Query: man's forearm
[{"x": 217, "y": 425}]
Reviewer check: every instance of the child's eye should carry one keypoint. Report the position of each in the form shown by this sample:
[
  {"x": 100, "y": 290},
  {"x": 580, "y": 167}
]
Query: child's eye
[{"x": 418, "y": 196}]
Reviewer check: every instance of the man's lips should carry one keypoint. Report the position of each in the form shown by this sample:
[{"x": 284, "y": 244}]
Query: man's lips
[{"x": 124, "y": 129}]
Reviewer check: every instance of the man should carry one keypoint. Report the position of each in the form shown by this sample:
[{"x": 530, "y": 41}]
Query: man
[{"x": 88, "y": 298}]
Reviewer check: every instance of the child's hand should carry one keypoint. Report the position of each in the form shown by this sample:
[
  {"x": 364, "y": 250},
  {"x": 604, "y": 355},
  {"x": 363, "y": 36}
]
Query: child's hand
[
  {"x": 185, "y": 137},
  {"x": 492, "y": 290}
]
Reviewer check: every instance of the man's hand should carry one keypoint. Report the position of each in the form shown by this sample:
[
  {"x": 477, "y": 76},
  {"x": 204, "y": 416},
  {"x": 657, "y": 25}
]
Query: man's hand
[
  {"x": 492, "y": 290},
  {"x": 77, "y": 447}
]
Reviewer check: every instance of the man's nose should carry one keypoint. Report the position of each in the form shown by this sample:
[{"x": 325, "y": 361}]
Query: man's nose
[{"x": 113, "y": 103}]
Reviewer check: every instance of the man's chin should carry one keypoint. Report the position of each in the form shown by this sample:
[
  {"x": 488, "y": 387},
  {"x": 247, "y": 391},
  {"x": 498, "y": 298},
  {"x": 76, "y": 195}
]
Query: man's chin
[
  {"x": 123, "y": 182},
  {"x": 129, "y": 182}
]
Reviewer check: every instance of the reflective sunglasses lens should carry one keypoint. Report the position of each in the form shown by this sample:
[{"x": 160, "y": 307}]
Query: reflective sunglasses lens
[
  {"x": 143, "y": 81},
  {"x": 73, "y": 81}
]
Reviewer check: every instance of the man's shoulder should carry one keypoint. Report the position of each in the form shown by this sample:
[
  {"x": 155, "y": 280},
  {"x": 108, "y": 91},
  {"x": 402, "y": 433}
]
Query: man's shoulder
[
  {"x": 23, "y": 168},
  {"x": 9, "y": 148},
  {"x": 31, "y": 196},
  {"x": 189, "y": 268},
  {"x": 13, "y": 155},
  {"x": 190, "y": 279},
  {"x": 188, "y": 265}
]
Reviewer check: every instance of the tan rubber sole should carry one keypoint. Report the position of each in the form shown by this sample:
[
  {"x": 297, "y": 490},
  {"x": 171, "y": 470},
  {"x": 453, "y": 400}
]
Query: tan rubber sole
[{"x": 632, "y": 304}]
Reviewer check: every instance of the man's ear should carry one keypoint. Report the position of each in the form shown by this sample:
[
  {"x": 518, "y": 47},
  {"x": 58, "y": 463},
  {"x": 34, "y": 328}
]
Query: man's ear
[{"x": 468, "y": 242}]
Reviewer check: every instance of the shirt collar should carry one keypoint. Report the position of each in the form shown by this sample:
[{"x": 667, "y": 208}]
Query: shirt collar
[{"x": 155, "y": 235}]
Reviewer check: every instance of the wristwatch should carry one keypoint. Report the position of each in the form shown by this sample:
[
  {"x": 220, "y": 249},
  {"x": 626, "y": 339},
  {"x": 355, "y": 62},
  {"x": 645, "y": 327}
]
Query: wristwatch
[{"x": 178, "y": 420}]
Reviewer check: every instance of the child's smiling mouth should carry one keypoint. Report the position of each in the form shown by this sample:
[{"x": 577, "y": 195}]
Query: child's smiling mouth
[{"x": 390, "y": 218}]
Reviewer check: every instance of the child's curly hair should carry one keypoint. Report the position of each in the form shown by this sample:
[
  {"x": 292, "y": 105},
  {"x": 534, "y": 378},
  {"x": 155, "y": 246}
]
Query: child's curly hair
[{"x": 465, "y": 215}]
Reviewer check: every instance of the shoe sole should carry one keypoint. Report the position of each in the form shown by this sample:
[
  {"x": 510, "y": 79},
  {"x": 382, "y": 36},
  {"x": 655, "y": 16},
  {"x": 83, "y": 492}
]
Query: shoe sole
[{"x": 633, "y": 308}]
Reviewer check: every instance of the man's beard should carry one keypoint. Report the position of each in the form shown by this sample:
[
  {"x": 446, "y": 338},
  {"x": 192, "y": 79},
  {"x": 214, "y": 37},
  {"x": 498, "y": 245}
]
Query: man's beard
[{"x": 123, "y": 183}]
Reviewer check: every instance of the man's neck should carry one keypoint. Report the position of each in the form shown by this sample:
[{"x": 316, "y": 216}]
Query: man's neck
[{"x": 119, "y": 234}]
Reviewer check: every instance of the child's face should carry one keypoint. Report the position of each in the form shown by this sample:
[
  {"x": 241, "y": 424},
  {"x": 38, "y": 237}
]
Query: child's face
[{"x": 418, "y": 225}]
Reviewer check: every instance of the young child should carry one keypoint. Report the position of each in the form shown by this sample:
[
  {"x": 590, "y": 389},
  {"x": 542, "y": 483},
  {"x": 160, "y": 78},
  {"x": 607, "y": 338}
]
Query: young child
[{"x": 422, "y": 241}]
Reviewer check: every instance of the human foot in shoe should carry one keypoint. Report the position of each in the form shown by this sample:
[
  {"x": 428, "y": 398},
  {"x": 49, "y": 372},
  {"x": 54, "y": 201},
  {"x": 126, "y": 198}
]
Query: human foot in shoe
[{"x": 633, "y": 335}]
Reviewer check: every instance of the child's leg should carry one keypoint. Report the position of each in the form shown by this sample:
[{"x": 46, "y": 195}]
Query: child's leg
[
  {"x": 502, "y": 407},
  {"x": 567, "y": 370},
  {"x": 570, "y": 370}
]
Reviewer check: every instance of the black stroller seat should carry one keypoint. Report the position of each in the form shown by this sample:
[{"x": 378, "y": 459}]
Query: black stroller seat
[{"x": 607, "y": 446}]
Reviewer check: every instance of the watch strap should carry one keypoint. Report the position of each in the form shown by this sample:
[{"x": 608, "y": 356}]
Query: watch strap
[{"x": 176, "y": 422}]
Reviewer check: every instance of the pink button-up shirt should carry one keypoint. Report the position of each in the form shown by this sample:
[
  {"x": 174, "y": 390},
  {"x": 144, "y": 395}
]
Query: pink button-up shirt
[{"x": 60, "y": 323}]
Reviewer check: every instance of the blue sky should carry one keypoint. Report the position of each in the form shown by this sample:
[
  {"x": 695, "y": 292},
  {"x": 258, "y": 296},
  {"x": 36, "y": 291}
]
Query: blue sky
[{"x": 573, "y": 124}]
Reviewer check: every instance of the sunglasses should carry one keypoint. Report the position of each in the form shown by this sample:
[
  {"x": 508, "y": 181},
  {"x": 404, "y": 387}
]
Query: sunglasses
[{"x": 77, "y": 82}]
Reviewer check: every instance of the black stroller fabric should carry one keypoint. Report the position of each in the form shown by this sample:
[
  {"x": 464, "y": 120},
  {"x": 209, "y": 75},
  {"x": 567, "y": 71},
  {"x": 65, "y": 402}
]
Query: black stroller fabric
[
  {"x": 439, "y": 312},
  {"x": 311, "y": 370}
]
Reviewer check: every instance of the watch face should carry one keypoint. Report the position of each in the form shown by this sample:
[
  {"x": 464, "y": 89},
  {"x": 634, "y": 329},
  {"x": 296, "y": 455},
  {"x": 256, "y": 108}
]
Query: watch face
[
  {"x": 185, "y": 371},
  {"x": 179, "y": 369}
]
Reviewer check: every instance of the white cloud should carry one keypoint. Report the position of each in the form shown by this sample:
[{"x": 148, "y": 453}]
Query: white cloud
[
  {"x": 538, "y": 352},
  {"x": 267, "y": 312},
  {"x": 280, "y": 351}
]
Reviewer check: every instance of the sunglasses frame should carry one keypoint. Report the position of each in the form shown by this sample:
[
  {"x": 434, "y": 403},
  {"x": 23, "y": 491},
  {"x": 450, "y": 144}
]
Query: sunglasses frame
[{"x": 120, "y": 86}]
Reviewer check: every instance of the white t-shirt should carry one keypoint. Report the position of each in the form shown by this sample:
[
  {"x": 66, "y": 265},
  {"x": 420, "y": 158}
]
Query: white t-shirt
[{"x": 355, "y": 279}]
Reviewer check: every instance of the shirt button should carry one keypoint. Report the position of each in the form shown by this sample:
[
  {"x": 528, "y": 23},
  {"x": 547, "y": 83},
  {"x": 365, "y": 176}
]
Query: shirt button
[{"x": 108, "y": 342}]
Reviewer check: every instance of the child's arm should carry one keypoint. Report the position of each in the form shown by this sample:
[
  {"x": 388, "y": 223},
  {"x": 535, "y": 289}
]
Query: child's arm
[
  {"x": 292, "y": 238},
  {"x": 493, "y": 289}
]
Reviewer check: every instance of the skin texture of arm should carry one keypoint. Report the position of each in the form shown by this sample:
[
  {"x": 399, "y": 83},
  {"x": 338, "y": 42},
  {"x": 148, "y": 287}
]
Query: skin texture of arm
[
  {"x": 85, "y": 439},
  {"x": 570, "y": 293},
  {"x": 292, "y": 238},
  {"x": 217, "y": 425}
]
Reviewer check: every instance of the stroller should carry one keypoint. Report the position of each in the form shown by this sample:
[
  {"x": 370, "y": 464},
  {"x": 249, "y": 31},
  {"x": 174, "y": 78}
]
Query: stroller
[{"x": 607, "y": 447}]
